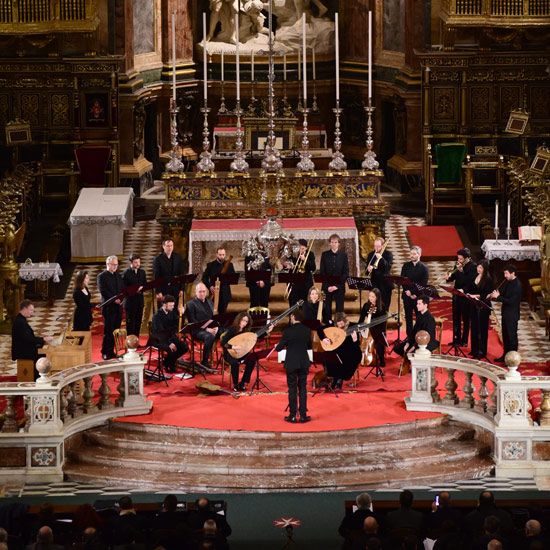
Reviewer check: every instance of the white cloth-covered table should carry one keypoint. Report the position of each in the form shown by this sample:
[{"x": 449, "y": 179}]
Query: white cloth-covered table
[
  {"x": 514, "y": 251},
  {"x": 40, "y": 271},
  {"x": 98, "y": 221}
]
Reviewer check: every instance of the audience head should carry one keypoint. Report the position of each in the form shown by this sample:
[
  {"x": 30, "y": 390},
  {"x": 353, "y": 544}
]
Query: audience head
[
  {"x": 494, "y": 545},
  {"x": 3, "y": 546},
  {"x": 170, "y": 503},
  {"x": 363, "y": 501},
  {"x": 410, "y": 542},
  {"x": 444, "y": 499},
  {"x": 202, "y": 504},
  {"x": 209, "y": 527},
  {"x": 370, "y": 525},
  {"x": 491, "y": 525},
  {"x": 46, "y": 513},
  {"x": 406, "y": 499},
  {"x": 532, "y": 528},
  {"x": 86, "y": 516},
  {"x": 486, "y": 498},
  {"x": 89, "y": 535},
  {"x": 45, "y": 535},
  {"x": 125, "y": 503},
  {"x": 3, "y": 535}
]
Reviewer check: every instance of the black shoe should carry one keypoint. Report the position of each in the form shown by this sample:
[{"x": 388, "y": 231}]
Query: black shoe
[
  {"x": 464, "y": 344},
  {"x": 171, "y": 369},
  {"x": 106, "y": 357},
  {"x": 500, "y": 359},
  {"x": 304, "y": 419},
  {"x": 452, "y": 343},
  {"x": 236, "y": 388},
  {"x": 242, "y": 386},
  {"x": 290, "y": 418},
  {"x": 473, "y": 355}
]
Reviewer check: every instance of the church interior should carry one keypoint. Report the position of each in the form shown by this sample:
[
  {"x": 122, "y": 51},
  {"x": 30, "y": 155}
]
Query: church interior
[{"x": 371, "y": 170}]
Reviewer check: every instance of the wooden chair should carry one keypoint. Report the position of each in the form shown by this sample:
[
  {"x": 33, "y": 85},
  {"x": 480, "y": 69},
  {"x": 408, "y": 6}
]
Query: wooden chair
[
  {"x": 157, "y": 374},
  {"x": 121, "y": 346},
  {"x": 259, "y": 316},
  {"x": 438, "y": 332}
]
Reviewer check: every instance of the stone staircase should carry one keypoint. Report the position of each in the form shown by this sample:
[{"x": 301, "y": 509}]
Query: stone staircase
[{"x": 195, "y": 460}]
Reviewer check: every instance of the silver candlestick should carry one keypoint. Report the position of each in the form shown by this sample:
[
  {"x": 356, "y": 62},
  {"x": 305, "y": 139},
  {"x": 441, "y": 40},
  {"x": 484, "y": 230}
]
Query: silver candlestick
[
  {"x": 306, "y": 164},
  {"x": 314, "y": 106},
  {"x": 370, "y": 162},
  {"x": 205, "y": 166},
  {"x": 174, "y": 164},
  {"x": 508, "y": 235},
  {"x": 337, "y": 164},
  {"x": 223, "y": 109},
  {"x": 496, "y": 232},
  {"x": 239, "y": 166}
]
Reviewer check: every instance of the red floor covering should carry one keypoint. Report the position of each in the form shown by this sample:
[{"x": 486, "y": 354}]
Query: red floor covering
[{"x": 438, "y": 242}]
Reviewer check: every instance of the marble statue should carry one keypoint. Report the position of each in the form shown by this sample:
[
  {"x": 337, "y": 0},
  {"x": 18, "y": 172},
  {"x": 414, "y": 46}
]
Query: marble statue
[{"x": 223, "y": 11}]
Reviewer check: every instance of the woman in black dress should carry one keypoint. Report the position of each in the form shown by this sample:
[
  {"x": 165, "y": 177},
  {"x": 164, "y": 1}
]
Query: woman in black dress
[
  {"x": 479, "y": 326},
  {"x": 240, "y": 324},
  {"x": 378, "y": 332},
  {"x": 83, "y": 318},
  {"x": 311, "y": 307}
]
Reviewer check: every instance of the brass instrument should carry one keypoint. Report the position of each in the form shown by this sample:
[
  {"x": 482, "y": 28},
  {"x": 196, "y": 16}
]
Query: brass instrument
[
  {"x": 377, "y": 261},
  {"x": 299, "y": 266}
]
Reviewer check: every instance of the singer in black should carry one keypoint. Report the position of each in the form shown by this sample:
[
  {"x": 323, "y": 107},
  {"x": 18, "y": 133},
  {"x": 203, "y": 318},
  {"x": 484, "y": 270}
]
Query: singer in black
[
  {"x": 510, "y": 297},
  {"x": 335, "y": 262},
  {"x": 463, "y": 276},
  {"x": 296, "y": 339},
  {"x": 133, "y": 305},
  {"x": 168, "y": 264},
  {"x": 164, "y": 332},
  {"x": 82, "y": 319},
  {"x": 379, "y": 265},
  {"x": 259, "y": 290},
  {"x": 211, "y": 273},
  {"x": 307, "y": 262},
  {"x": 417, "y": 272},
  {"x": 109, "y": 283},
  {"x": 481, "y": 289},
  {"x": 378, "y": 332},
  {"x": 240, "y": 324},
  {"x": 424, "y": 321}
]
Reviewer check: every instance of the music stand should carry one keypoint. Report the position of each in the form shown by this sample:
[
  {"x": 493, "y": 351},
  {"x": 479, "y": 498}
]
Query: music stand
[
  {"x": 429, "y": 290},
  {"x": 454, "y": 348},
  {"x": 154, "y": 341},
  {"x": 161, "y": 281},
  {"x": 188, "y": 329},
  {"x": 223, "y": 320},
  {"x": 321, "y": 357},
  {"x": 360, "y": 284},
  {"x": 257, "y": 355},
  {"x": 254, "y": 276},
  {"x": 400, "y": 282},
  {"x": 290, "y": 278}
]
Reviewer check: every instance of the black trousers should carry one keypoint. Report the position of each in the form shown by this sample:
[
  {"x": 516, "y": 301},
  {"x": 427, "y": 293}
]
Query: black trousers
[
  {"x": 385, "y": 293},
  {"x": 134, "y": 315},
  {"x": 509, "y": 332},
  {"x": 112, "y": 318},
  {"x": 461, "y": 319},
  {"x": 479, "y": 331},
  {"x": 235, "y": 364},
  {"x": 409, "y": 305},
  {"x": 259, "y": 296},
  {"x": 338, "y": 296},
  {"x": 172, "y": 356},
  {"x": 297, "y": 387},
  {"x": 208, "y": 339}
]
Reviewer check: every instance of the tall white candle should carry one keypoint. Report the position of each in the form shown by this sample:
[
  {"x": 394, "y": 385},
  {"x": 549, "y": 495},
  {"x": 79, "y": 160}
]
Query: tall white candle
[
  {"x": 299, "y": 67},
  {"x": 336, "y": 40},
  {"x": 204, "y": 57},
  {"x": 284, "y": 66},
  {"x": 508, "y": 226},
  {"x": 252, "y": 65},
  {"x": 313, "y": 60},
  {"x": 496, "y": 214},
  {"x": 304, "y": 57},
  {"x": 370, "y": 54},
  {"x": 174, "y": 58},
  {"x": 222, "y": 68},
  {"x": 237, "y": 68}
]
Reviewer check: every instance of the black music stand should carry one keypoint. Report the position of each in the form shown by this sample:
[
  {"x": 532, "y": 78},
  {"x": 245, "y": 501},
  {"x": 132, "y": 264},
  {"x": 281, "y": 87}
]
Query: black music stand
[
  {"x": 400, "y": 282},
  {"x": 322, "y": 357},
  {"x": 292, "y": 279},
  {"x": 152, "y": 285},
  {"x": 158, "y": 374},
  {"x": 257, "y": 355},
  {"x": 188, "y": 329},
  {"x": 223, "y": 320},
  {"x": 429, "y": 290},
  {"x": 454, "y": 348},
  {"x": 253, "y": 276},
  {"x": 360, "y": 284}
]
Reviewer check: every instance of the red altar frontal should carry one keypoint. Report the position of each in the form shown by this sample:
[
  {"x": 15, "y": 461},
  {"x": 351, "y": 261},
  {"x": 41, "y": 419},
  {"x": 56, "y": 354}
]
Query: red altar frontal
[{"x": 206, "y": 236}]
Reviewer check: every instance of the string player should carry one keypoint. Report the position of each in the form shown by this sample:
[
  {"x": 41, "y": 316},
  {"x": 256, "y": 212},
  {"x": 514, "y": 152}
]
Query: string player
[{"x": 211, "y": 273}]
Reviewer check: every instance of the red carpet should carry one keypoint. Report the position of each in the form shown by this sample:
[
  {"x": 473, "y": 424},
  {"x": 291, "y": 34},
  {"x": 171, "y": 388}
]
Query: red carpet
[{"x": 438, "y": 242}]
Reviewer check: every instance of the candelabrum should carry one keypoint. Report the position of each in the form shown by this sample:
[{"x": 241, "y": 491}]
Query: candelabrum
[
  {"x": 306, "y": 164},
  {"x": 299, "y": 106},
  {"x": 370, "y": 162},
  {"x": 239, "y": 164},
  {"x": 508, "y": 235},
  {"x": 223, "y": 109},
  {"x": 205, "y": 166},
  {"x": 496, "y": 232},
  {"x": 314, "y": 106},
  {"x": 174, "y": 164},
  {"x": 252, "y": 104},
  {"x": 337, "y": 164}
]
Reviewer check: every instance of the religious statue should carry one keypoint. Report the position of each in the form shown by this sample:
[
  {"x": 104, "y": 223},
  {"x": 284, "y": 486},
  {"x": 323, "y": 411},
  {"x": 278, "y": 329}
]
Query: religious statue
[
  {"x": 223, "y": 12},
  {"x": 304, "y": 5}
]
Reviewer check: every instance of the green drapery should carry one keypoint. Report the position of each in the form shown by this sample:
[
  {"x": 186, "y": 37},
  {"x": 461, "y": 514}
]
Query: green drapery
[{"x": 449, "y": 157}]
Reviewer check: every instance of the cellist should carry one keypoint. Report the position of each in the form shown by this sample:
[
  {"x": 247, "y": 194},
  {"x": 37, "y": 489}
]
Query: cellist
[{"x": 378, "y": 332}]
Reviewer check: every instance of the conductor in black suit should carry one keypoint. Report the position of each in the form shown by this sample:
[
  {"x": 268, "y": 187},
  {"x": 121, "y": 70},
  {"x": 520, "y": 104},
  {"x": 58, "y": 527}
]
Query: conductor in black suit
[
  {"x": 109, "y": 283},
  {"x": 335, "y": 262},
  {"x": 168, "y": 264},
  {"x": 417, "y": 272},
  {"x": 297, "y": 340},
  {"x": 133, "y": 305},
  {"x": 510, "y": 297},
  {"x": 379, "y": 265},
  {"x": 210, "y": 275},
  {"x": 24, "y": 344}
]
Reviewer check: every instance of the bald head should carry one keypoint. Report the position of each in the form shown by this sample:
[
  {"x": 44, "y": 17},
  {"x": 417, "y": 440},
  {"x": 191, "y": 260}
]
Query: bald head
[
  {"x": 444, "y": 499},
  {"x": 532, "y": 528},
  {"x": 494, "y": 545},
  {"x": 200, "y": 291},
  {"x": 45, "y": 535},
  {"x": 370, "y": 525}
]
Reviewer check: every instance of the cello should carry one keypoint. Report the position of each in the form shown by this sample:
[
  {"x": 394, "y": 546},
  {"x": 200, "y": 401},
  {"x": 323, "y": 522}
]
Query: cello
[{"x": 369, "y": 351}]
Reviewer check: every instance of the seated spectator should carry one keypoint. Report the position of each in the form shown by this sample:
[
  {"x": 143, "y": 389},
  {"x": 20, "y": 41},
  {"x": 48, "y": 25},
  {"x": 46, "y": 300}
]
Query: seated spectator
[
  {"x": 3, "y": 535},
  {"x": 44, "y": 540},
  {"x": 491, "y": 531},
  {"x": 404, "y": 521},
  {"x": 441, "y": 513},
  {"x": 85, "y": 516},
  {"x": 211, "y": 537},
  {"x": 451, "y": 537},
  {"x": 352, "y": 524},
  {"x": 169, "y": 527},
  {"x": 410, "y": 542},
  {"x": 46, "y": 517},
  {"x": 3, "y": 546},
  {"x": 532, "y": 533},
  {"x": 127, "y": 527},
  {"x": 473, "y": 523},
  {"x": 90, "y": 540},
  {"x": 202, "y": 512},
  {"x": 370, "y": 531},
  {"x": 494, "y": 544}
]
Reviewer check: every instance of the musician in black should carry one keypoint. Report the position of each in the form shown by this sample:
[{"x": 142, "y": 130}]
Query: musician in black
[
  {"x": 417, "y": 272},
  {"x": 510, "y": 297},
  {"x": 378, "y": 332},
  {"x": 259, "y": 290},
  {"x": 201, "y": 309},
  {"x": 348, "y": 353},
  {"x": 133, "y": 305},
  {"x": 109, "y": 283},
  {"x": 379, "y": 265},
  {"x": 241, "y": 324},
  {"x": 463, "y": 276},
  {"x": 168, "y": 264},
  {"x": 307, "y": 261},
  {"x": 296, "y": 339},
  {"x": 481, "y": 288},
  {"x": 83, "y": 318},
  {"x": 311, "y": 306},
  {"x": 210, "y": 275},
  {"x": 424, "y": 321},
  {"x": 335, "y": 262},
  {"x": 164, "y": 332}
]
